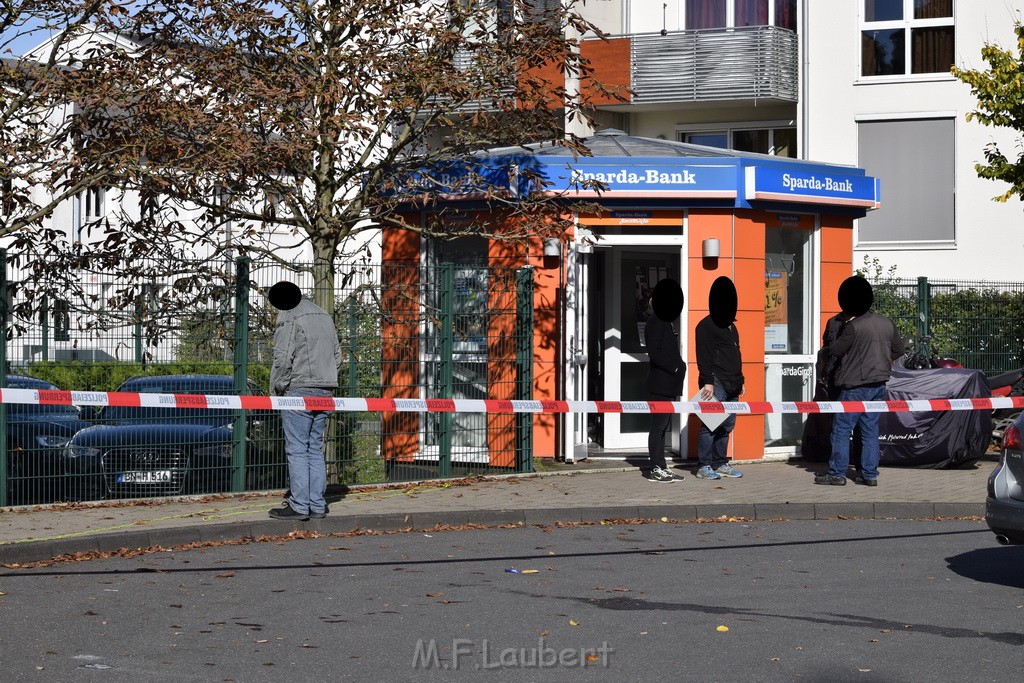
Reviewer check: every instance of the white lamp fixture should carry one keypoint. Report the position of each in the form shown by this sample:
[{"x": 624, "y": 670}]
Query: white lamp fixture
[
  {"x": 711, "y": 248},
  {"x": 552, "y": 246}
]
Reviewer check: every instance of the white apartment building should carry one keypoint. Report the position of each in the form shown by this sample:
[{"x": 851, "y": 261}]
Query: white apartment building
[{"x": 858, "y": 82}]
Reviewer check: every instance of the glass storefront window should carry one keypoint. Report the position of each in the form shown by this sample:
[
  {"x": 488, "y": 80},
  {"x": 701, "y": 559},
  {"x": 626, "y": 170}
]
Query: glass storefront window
[
  {"x": 788, "y": 288},
  {"x": 468, "y": 255},
  {"x": 787, "y": 382},
  {"x": 790, "y": 346}
]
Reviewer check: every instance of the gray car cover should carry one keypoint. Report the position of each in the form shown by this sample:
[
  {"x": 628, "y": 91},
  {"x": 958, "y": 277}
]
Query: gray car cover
[{"x": 933, "y": 439}]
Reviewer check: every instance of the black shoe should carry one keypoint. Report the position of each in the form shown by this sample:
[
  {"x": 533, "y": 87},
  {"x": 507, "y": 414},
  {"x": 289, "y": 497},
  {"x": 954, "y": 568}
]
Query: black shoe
[
  {"x": 327, "y": 509},
  {"x": 829, "y": 480},
  {"x": 313, "y": 514},
  {"x": 865, "y": 482},
  {"x": 288, "y": 512},
  {"x": 660, "y": 474}
]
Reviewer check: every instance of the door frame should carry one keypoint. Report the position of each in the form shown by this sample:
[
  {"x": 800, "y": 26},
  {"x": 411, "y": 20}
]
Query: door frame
[{"x": 616, "y": 244}]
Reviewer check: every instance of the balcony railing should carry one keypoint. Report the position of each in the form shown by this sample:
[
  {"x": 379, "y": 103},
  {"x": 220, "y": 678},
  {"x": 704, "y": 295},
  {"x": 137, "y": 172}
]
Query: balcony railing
[{"x": 749, "y": 63}]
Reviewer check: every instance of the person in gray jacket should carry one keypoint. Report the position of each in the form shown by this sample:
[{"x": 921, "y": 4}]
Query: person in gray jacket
[
  {"x": 864, "y": 350},
  {"x": 307, "y": 357}
]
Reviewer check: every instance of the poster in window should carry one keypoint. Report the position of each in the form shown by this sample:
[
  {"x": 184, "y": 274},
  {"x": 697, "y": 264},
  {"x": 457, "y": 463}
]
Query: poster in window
[{"x": 776, "y": 313}]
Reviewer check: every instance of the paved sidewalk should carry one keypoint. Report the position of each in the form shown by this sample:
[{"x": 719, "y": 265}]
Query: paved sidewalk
[{"x": 588, "y": 492}]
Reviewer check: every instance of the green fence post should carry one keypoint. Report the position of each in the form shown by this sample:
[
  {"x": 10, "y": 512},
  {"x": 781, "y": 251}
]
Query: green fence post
[
  {"x": 924, "y": 323},
  {"x": 524, "y": 367},
  {"x": 445, "y": 369},
  {"x": 353, "y": 343},
  {"x": 3, "y": 377},
  {"x": 138, "y": 331},
  {"x": 44, "y": 323},
  {"x": 241, "y": 364}
]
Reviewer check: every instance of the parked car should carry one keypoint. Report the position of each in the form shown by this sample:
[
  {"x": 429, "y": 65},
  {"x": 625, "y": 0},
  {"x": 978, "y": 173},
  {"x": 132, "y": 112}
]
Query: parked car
[
  {"x": 1004, "y": 506},
  {"x": 36, "y": 436},
  {"x": 156, "y": 451}
]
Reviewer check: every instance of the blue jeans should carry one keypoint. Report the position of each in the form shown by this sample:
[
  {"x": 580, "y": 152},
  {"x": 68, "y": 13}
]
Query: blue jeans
[
  {"x": 711, "y": 445},
  {"x": 304, "y": 447},
  {"x": 842, "y": 428}
]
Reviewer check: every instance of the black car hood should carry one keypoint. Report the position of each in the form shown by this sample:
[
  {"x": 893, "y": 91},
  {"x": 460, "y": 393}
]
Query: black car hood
[
  {"x": 47, "y": 423},
  {"x": 105, "y": 436}
]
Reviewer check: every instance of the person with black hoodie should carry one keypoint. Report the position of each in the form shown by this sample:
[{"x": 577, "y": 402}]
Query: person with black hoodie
[
  {"x": 720, "y": 375},
  {"x": 668, "y": 370}
]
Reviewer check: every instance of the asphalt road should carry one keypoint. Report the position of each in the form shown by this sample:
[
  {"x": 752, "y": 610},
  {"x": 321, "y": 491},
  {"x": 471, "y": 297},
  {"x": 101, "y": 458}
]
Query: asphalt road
[{"x": 742, "y": 601}]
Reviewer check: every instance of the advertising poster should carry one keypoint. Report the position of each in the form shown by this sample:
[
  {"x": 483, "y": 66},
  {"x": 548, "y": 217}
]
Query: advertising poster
[{"x": 776, "y": 327}]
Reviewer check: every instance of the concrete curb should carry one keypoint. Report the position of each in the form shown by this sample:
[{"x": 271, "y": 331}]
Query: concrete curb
[{"x": 43, "y": 550}]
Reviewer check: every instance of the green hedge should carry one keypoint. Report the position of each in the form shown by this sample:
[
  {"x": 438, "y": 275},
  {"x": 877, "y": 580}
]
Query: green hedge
[{"x": 91, "y": 376}]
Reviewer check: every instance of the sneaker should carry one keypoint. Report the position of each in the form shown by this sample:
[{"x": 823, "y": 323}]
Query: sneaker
[
  {"x": 829, "y": 479},
  {"x": 313, "y": 514},
  {"x": 865, "y": 482},
  {"x": 728, "y": 471},
  {"x": 706, "y": 472},
  {"x": 659, "y": 474},
  {"x": 288, "y": 512}
]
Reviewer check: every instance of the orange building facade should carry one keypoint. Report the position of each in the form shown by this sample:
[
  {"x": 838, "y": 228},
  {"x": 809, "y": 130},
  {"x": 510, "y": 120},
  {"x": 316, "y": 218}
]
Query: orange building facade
[{"x": 781, "y": 229}]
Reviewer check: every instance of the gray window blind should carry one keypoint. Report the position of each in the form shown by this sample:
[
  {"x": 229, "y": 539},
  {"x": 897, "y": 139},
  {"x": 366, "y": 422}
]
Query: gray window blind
[{"x": 914, "y": 160}]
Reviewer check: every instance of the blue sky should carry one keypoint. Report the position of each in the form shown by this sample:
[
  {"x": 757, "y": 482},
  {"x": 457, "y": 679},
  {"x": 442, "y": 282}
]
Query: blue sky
[{"x": 18, "y": 41}]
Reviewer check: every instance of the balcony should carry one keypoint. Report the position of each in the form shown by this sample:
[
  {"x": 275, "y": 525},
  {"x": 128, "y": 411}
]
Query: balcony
[{"x": 714, "y": 65}]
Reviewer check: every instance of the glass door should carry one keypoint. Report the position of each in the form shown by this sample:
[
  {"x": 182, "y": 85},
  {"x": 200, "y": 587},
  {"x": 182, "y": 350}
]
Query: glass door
[
  {"x": 634, "y": 272},
  {"x": 789, "y": 323}
]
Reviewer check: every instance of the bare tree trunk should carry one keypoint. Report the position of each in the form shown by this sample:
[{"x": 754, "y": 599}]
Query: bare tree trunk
[{"x": 324, "y": 251}]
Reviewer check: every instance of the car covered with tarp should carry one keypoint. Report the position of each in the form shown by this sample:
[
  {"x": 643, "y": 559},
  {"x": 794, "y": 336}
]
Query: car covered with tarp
[{"x": 928, "y": 439}]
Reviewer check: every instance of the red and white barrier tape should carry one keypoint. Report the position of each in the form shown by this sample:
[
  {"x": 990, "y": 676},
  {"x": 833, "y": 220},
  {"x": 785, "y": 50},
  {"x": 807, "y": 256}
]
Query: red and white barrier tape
[{"x": 442, "y": 405}]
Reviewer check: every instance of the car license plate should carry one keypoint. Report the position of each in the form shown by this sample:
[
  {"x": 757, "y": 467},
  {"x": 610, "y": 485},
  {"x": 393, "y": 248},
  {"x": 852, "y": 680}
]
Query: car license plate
[{"x": 150, "y": 477}]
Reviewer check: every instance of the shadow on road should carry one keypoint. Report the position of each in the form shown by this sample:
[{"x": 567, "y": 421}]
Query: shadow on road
[{"x": 1001, "y": 565}]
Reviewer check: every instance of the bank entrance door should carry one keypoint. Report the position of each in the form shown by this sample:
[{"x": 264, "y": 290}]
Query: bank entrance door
[{"x": 620, "y": 282}]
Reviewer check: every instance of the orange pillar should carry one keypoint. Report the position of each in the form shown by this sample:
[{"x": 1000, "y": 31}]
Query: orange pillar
[{"x": 400, "y": 439}]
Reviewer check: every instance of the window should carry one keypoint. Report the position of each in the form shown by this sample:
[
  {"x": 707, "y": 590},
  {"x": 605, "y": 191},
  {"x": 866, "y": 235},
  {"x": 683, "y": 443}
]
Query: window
[
  {"x": 88, "y": 207},
  {"x": 779, "y": 141},
  {"x": 701, "y": 14},
  {"x": 914, "y": 160},
  {"x": 6, "y": 197},
  {"x": 93, "y": 203},
  {"x": 61, "y": 321},
  {"x": 900, "y": 37},
  {"x": 469, "y": 367}
]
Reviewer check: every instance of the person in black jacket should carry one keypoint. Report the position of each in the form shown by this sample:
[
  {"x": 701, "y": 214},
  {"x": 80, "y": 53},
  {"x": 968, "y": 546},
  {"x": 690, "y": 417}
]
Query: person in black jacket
[
  {"x": 865, "y": 350},
  {"x": 720, "y": 376},
  {"x": 668, "y": 370}
]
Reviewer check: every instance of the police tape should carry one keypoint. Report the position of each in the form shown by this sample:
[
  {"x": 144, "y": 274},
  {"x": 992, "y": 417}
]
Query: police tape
[{"x": 458, "y": 405}]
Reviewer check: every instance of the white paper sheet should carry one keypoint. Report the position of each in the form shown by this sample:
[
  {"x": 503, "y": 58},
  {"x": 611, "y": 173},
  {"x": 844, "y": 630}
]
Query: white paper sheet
[{"x": 711, "y": 420}]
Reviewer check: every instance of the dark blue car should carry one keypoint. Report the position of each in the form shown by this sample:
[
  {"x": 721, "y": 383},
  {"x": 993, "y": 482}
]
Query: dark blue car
[
  {"x": 157, "y": 451},
  {"x": 36, "y": 436}
]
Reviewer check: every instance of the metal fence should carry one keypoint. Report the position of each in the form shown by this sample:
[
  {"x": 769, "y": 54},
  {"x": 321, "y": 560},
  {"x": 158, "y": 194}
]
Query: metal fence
[
  {"x": 979, "y": 324},
  {"x": 406, "y": 330}
]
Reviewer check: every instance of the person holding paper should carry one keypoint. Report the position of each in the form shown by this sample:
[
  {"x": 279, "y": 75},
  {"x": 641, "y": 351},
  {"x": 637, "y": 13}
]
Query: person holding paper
[
  {"x": 720, "y": 376},
  {"x": 668, "y": 370}
]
